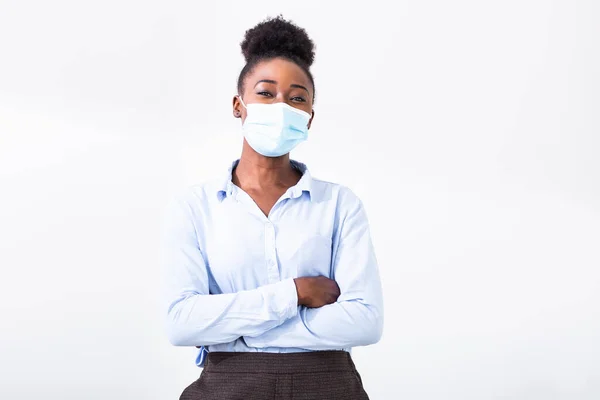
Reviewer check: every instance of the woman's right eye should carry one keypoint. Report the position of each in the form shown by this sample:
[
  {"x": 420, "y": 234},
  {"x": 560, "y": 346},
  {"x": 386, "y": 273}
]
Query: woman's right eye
[{"x": 267, "y": 94}]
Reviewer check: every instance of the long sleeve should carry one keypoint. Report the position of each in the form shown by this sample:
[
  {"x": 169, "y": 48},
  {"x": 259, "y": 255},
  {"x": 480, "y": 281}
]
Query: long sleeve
[
  {"x": 356, "y": 319},
  {"x": 194, "y": 317}
]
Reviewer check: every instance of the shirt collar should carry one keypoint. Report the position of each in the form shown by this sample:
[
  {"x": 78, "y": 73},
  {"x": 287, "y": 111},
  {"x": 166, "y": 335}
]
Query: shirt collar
[{"x": 305, "y": 184}]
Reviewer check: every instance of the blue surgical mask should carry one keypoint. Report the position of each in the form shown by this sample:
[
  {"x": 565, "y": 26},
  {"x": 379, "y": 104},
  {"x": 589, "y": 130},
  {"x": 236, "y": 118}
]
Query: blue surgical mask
[{"x": 274, "y": 129}]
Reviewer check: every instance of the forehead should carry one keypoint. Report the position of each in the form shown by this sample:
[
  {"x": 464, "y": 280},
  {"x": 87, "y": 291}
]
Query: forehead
[{"x": 278, "y": 69}]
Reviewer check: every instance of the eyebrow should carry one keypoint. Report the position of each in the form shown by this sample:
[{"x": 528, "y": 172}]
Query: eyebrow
[
  {"x": 267, "y": 81},
  {"x": 299, "y": 87},
  {"x": 294, "y": 85}
]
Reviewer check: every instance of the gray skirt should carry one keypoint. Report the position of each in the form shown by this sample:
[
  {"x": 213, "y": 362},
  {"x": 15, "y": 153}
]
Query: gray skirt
[{"x": 319, "y": 375}]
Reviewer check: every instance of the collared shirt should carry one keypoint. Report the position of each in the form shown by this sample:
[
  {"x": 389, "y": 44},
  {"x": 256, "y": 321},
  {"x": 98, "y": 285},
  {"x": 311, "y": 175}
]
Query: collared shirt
[{"x": 230, "y": 269}]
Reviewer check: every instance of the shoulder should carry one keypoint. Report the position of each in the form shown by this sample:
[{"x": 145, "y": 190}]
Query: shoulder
[
  {"x": 199, "y": 193},
  {"x": 342, "y": 196},
  {"x": 194, "y": 199},
  {"x": 205, "y": 192}
]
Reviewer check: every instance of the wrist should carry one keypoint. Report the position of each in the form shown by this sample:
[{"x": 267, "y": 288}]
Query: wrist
[{"x": 299, "y": 291}]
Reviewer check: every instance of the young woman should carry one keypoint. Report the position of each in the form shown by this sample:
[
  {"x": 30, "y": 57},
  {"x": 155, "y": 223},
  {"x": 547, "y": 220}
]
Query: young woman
[{"x": 271, "y": 272}]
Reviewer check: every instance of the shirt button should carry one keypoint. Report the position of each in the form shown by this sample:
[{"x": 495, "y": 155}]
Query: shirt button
[{"x": 272, "y": 263}]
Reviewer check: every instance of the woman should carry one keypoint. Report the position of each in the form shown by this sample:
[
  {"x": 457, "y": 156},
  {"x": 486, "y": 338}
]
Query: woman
[{"x": 271, "y": 272}]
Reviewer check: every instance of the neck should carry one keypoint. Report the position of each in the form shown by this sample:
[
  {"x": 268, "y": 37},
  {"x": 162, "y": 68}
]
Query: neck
[{"x": 255, "y": 171}]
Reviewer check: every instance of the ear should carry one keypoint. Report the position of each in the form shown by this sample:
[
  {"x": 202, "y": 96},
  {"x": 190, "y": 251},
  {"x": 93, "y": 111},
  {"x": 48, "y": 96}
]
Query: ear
[
  {"x": 237, "y": 107},
  {"x": 312, "y": 115}
]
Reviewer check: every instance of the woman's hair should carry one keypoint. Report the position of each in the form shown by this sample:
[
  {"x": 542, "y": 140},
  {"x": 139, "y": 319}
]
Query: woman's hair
[{"x": 276, "y": 38}]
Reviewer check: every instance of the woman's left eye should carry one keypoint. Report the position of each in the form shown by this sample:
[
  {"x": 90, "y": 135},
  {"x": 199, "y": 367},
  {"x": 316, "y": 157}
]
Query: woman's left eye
[{"x": 298, "y": 98}]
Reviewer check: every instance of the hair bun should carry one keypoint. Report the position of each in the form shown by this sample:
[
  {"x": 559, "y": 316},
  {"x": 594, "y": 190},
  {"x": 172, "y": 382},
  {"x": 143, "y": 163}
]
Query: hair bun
[{"x": 276, "y": 37}]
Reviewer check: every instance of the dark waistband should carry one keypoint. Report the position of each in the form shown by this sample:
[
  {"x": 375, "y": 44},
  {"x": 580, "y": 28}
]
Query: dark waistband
[{"x": 279, "y": 363}]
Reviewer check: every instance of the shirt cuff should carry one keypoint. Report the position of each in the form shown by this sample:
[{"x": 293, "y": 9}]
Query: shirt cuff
[{"x": 286, "y": 299}]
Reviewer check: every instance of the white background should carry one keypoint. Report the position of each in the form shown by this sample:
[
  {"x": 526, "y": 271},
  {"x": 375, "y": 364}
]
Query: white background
[{"x": 471, "y": 130}]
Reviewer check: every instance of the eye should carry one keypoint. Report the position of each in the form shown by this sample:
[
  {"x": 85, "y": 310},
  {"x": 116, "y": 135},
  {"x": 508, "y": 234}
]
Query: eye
[
  {"x": 298, "y": 99},
  {"x": 263, "y": 93}
]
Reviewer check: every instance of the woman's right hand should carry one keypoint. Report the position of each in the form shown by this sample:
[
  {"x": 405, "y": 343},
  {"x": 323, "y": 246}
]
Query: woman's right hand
[{"x": 316, "y": 291}]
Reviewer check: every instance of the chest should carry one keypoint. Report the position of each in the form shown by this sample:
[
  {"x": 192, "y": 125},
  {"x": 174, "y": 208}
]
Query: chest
[
  {"x": 265, "y": 201},
  {"x": 245, "y": 250}
]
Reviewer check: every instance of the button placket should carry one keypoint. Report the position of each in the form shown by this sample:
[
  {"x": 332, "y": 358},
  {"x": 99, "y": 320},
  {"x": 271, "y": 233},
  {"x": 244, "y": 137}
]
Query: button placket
[{"x": 271, "y": 253}]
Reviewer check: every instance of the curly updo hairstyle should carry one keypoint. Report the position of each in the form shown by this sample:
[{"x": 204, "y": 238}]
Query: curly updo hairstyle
[{"x": 276, "y": 38}]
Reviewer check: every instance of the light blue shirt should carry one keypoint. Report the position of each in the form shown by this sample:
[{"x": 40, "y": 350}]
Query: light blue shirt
[{"x": 230, "y": 269}]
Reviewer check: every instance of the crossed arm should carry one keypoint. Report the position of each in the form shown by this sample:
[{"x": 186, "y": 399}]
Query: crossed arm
[{"x": 270, "y": 316}]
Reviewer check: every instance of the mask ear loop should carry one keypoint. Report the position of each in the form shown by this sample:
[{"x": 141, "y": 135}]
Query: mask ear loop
[{"x": 242, "y": 101}]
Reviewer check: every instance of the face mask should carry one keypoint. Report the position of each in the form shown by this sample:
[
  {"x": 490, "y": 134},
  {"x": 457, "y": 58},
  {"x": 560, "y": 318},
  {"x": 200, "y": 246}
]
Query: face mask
[{"x": 274, "y": 129}]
